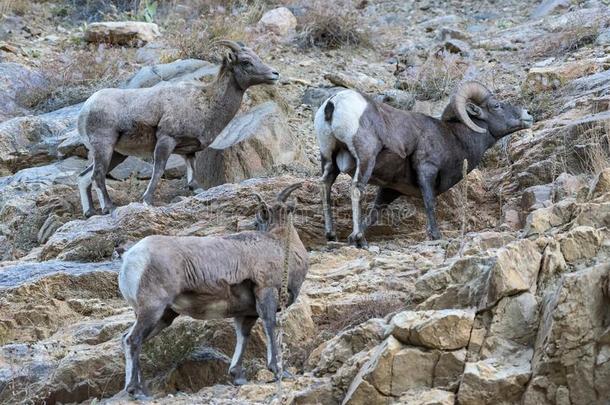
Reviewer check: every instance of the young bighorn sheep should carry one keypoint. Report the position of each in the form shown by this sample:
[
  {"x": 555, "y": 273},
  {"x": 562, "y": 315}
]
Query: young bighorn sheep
[
  {"x": 213, "y": 277},
  {"x": 181, "y": 118},
  {"x": 406, "y": 153}
]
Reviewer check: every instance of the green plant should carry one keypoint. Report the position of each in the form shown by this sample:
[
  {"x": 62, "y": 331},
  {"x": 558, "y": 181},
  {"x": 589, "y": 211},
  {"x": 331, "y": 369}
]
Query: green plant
[{"x": 149, "y": 11}]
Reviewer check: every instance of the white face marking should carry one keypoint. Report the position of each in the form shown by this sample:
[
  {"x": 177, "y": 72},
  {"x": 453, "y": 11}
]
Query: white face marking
[
  {"x": 83, "y": 184},
  {"x": 135, "y": 262}
]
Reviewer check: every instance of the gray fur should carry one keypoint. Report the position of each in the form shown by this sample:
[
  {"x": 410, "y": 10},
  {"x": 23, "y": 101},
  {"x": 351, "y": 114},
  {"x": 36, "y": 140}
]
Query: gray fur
[
  {"x": 406, "y": 153},
  {"x": 181, "y": 118},
  {"x": 212, "y": 277}
]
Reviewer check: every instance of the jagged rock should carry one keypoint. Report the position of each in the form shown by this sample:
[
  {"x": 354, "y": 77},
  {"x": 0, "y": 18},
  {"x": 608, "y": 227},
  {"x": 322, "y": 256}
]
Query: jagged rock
[
  {"x": 492, "y": 382},
  {"x": 34, "y": 140},
  {"x": 601, "y": 185},
  {"x": 279, "y": 20},
  {"x": 582, "y": 242},
  {"x": 596, "y": 215},
  {"x": 132, "y": 33},
  {"x": 536, "y": 197},
  {"x": 445, "y": 329},
  {"x": 18, "y": 84},
  {"x": 267, "y": 141},
  {"x": 552, "y": 77},
  {"x": 355, "y": 80},
  {"x": 449, "y": 369},
  {"x": 420, "y": 396},
  {"x": 543, "y": 219},
  {"x": 174, "y": 169},
  {"x": 332, "y": 354},
  {"x": 573, "y": 322}
]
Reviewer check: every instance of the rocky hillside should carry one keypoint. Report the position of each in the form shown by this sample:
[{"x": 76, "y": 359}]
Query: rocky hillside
[{"x": 513, "y": 309}]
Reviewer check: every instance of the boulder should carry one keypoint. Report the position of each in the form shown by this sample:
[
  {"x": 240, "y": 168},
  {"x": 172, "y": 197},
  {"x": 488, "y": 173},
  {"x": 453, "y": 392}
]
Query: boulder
[
  {"x": 447, "y": 329},
  {"x": 179, "y": 70},
  {"x": 35, "y": 140},
  {"x": 131, "y": 33},
  {"x": 279, "y": 20},
  {"x": 582, "y": 242},
  {"x": 315, "y": 96},
  {"x": 266, "y": 142},
  {"x": 549, "y": 6},
  {"x": 355, "y": 80},
  {"x": 18, "y": 87},
  {"x": 493, "y": 382},
  {"x": 422, "y": 396}
]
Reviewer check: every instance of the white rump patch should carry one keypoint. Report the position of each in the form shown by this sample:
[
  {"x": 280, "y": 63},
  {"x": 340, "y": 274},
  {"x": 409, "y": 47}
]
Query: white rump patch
[
  {"x": 349, "y": 107},
  {"x": 135, "y": 261}
]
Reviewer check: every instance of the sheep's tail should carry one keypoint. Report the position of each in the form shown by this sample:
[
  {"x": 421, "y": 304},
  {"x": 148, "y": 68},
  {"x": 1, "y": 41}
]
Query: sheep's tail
[
  {"x": 329, "y": 109},
  {"x": 117, "y": 254}
]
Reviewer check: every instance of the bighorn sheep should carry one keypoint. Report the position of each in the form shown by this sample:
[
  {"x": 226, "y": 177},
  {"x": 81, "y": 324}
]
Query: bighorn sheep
[
  {"x": 213, "y": 277},
  {"x": 406, "y": 153},
  {"x": 181, "y": 118}
]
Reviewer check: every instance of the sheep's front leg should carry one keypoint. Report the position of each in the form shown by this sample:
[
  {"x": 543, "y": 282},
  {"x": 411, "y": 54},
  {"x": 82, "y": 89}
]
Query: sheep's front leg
[
  {"x": 426, "y": 176},
  {"x": 363, "y": 173},
  {"x": 164, "y": 148},
  {"x": 266, "y": 307},
  {"x": 330, "y": 171},
  {"x": 243, "y": 326}
]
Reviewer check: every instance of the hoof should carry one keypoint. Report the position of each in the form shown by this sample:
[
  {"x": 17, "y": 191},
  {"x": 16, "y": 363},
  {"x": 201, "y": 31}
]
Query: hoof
[
  {"x": 434, "y": 235},
  {"x": 358, "y": 240},
  {"x": 137, "y": 393},
  {"x": 239, "y": 375},
  {"x": 331, "y": 236},
  {"x": 240, "y": 381},
  {"x": 108, "y": 210},
  {"x": 89, "y": 213}
]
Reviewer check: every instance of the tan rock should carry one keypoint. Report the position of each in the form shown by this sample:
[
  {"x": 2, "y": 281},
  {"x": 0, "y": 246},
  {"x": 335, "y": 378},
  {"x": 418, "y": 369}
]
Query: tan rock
[
  {"x": 449, "y": 369},
  {"x": 447, "y": 329},
  {"x": 601, "y": 185},
  {"x": 596, "y": 215},
  {"x": 122, "y": 32},
  {"x": 491, "y": 382},
  {"x": 279, "y": 20},
  {"x": 411, "y": 368},
  {"x": 355, "y": 80},
  {"x": 553, "y": 77},
  {"x": 516, "y": 269},
  {"x": 582, "y": 242},
  {"x": 422, "y": 396}
]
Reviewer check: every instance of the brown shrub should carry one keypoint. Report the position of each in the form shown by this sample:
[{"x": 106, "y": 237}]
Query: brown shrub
[
  {"x": 435, "y": 79},
  {"x": 330, "y": 27}
]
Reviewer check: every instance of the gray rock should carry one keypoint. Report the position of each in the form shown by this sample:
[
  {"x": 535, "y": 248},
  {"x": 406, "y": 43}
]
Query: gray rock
[
  {"x": 603, "y": 38},
  {"x": 187, "y": 69},
  {"x": 174, "y": 169},
  {"x": 549, "y": 6},
  {"x": 403, "y": 100},
  {"x": 17, "y": 85},
  {"x": 315, "y": 96}
]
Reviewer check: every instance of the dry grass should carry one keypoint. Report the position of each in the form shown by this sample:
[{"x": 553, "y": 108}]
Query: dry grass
[
  {"x": 331, "y": 27},
  {"x": 574, "y": 35},
  {"x": 596, "y": 155},
  {"x": 540, "y": 104},
  {"x": 433, "y": 80},
  {"x": 17, "y": 7},
  {"x": 77, "y": 74}
]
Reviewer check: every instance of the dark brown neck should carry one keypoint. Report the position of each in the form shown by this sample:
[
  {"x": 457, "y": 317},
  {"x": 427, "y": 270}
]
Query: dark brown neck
[{"x": 225, "y": 100}]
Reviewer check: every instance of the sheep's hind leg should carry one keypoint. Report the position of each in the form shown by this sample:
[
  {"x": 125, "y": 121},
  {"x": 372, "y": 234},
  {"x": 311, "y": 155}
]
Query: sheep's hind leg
[
  {"x": 426, "y": 176},
  {"x": 266, "y": 307},
  {"x": 103, "y": 159},
  {"x": 85, "y": 180},
  {"x": 164, "y": 148},
  {"x": 190, "y": 172},
  {"x": 385, "y": 196},
  {"x": 243, "y": 326},
  {"x": 146, "y": 322},
  {"x": 330, "y": 171}
]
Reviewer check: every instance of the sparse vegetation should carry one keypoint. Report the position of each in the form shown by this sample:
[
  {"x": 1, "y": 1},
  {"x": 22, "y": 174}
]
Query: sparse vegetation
[
  {"x": 540, "y": 104},
  {"x": 596, "y": 156},
  {"x": 574, "y": 35},
  {"x": 433, "y": 80},
  {"x": 330, "y": 28},
  {"x": 72, "y": 78}
]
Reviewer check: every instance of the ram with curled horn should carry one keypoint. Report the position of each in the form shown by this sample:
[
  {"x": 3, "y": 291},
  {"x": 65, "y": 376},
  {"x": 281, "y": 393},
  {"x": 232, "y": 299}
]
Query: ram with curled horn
[
  {"x": 182, "y": 118},
  {"x": 242, "y": 276},
  {"x": 406, "y": 153}
]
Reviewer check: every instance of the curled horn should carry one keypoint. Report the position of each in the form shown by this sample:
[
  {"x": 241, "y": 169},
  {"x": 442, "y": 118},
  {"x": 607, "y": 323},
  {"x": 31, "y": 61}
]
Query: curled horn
[
  {"x": 234, "y": 46},
  {"x": 283, "y": 195},
  {"x": 469, "y": 91},
  {"x": 261, "y": 202}
]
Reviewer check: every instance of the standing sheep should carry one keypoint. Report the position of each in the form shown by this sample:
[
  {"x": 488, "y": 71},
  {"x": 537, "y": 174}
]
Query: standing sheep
[
  {"x": 181, "y": 118},
  {"x": 239, "y": 276},
  {"x": 406, "y": 153}
]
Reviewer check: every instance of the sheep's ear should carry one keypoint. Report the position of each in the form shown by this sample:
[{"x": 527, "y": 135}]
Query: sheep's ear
[
  {"x": 474, "y": 110},
  {"x": 232, "y": 57},
  {"x": 263, "y": 214}
]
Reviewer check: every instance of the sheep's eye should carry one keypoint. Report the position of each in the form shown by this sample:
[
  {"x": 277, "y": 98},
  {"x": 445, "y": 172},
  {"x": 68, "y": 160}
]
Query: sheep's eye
[
  {"x": 497, "y": 106},
  {"x": 246, "y": 63}
]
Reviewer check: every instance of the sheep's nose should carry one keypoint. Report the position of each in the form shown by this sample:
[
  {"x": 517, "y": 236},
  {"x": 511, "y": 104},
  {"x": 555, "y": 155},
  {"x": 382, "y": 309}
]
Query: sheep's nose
[{"x": 275, "y": 73}]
